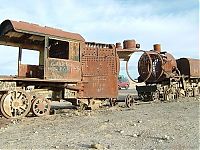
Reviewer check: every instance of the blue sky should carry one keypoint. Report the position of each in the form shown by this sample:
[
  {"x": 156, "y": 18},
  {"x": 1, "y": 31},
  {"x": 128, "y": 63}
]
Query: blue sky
[{"x": 172, "y": 23}]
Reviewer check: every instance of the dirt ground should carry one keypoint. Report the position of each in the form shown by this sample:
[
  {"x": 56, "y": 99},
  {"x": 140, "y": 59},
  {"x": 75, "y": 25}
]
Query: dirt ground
[{"x": 173, "y": 125}]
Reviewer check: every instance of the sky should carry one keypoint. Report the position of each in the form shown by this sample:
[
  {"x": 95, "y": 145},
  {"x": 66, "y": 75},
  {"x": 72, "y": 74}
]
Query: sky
[{"x": 172, "y": 23}]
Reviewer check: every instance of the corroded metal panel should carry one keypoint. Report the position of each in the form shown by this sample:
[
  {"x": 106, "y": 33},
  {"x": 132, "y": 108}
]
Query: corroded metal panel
[
  {"x": 74, "y": 51},
  {"x": 7, "y": 85},
  {"x": 101, "y": 87},
  {"x": 169, "y": 63},
  {"x": 62, "y": 69},
  {"x": 24, "y": 27},
  {"x": 154, "y": 66},
  {"x": 97, "y": 49},
  {"x": 31, "y": 71},
  {"x": 100, "y": 71},
  {"x": 189, "y": 67},
  {"x": 93, "y": 66}
]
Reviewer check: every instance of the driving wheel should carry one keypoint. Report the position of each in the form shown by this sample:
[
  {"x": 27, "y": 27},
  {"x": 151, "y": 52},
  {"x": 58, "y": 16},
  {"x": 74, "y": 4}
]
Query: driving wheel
[
  {"x": 15, "y": 104},
  {"x": 112, "y": 102},
  {"x": 170, "y": 95},
  {"x": 129, "y": 100},
  {"x": 40, "y": 106}
]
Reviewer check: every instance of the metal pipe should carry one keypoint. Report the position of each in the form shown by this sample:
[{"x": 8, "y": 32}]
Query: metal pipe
[
  {"x": 157, "y": 48},
  {"x": 46, "y": 45},
  {"x": 19, "y": 59}
]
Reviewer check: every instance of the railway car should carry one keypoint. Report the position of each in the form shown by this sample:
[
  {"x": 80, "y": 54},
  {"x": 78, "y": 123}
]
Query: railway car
[
  {"x": 190, "y": 70},
  {"x": 165, "y": 77},
  {"x": 84, "y": 73}
]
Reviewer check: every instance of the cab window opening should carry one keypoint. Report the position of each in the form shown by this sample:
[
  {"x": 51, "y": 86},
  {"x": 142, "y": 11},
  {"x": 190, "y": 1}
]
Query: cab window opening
[{"x": 58, "y": 49}]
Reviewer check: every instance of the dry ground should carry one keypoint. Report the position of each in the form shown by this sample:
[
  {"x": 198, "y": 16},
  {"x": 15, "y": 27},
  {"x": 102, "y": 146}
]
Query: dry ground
[{"x": 173, "y": 125}]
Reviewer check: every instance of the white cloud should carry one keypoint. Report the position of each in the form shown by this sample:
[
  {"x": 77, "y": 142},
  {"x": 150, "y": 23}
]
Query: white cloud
[{"x": 173, "y": 24}]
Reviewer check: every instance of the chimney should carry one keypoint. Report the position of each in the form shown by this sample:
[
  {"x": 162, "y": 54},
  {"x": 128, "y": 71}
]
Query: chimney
[{"x": 157, "y": 48}]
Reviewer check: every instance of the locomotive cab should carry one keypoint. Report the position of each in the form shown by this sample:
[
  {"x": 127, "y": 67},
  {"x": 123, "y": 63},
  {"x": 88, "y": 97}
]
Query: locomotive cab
[
  {"x": 57, "y": 55},
  {"x": 56, "y": 76},
  {"x": 83, "y": 73}
]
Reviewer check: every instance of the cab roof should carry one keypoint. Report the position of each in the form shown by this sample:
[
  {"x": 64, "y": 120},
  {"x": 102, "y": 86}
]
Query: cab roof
[{"x": 16, "y": 33}]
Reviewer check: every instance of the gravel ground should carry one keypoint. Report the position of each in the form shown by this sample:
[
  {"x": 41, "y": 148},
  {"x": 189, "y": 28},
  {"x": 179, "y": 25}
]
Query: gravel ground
[{"x": 173, "y": 125}]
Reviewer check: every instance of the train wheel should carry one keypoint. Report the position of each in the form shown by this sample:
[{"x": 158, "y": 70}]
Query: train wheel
[
  {"x": 83, "y": 106},
  {"x": 15, "y": 104},
  {"x": 155, "y": 96},
  {"x": 169, "y": 95},
  {"x": 112, "y": 102},
  {"x": 40, "y": 106},
  {"x": 188, "y": 92},
  {"x": 129, "y": 100},
  {"x": 180, "y": 93}
]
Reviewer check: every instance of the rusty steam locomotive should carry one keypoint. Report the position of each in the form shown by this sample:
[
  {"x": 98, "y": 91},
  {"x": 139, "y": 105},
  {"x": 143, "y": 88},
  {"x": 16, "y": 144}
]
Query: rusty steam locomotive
[
  {"x": 84, "y": 73},
  {"x": 165, "y": 77}
]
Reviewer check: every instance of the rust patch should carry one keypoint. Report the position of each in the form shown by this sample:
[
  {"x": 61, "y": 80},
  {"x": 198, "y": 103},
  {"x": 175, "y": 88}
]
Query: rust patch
[
  {"x": 189, "y": 67},
  {"x": 24, "y": 27},
  {"x": 100, "y": 70},
  {"x": 63, "y": 69},
  {"x": 154, "y": 66}
]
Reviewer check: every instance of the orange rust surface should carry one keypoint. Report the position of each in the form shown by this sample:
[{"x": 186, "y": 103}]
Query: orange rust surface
[
  {"x": 189, "y": 67},
  {"x": 61, "y": 69},
  {"x": 36, "y": 29}
]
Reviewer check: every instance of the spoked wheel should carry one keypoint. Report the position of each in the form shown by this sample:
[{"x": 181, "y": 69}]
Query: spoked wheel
[
  {"x": 40, "y": 106},
  {"x": 15, "y": 104},
  {"x": 180, "y": 93},
  {"x": 155, "y": 96},
  {"x": 188, "y": 92},
  {"x": 83, "y": 106},
  {"x": 112, "y": 102},
  {"x": 170, "y": 95},
  {"x": 129, "y": 100}
]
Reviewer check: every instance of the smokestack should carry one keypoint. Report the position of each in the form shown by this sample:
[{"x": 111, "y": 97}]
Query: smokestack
[
  {"x": 157, "y": 48},
  {"x": 127, "y": 44}
]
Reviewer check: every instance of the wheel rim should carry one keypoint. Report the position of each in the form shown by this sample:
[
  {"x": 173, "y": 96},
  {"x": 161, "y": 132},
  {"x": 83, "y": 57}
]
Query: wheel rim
[
  {"x": 41, "y": 106},
  {"x": 112, "y": 102},
  {"x": 169, "y": 95},
  {"x": 15, "y": 104},
  {"x": 129, "y": 100},
  {"x": 188, "y": 93},
  {"x": 155, "y": 96}
]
